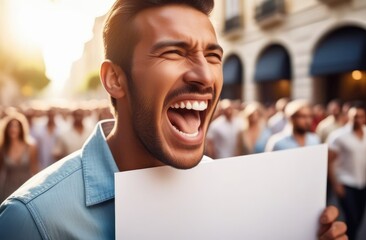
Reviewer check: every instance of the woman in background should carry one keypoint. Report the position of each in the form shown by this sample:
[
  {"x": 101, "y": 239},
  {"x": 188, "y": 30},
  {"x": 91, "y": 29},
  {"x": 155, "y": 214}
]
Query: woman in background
[
  {"x": 18, "y": 155},
  {"x": 254, "y": 137}
]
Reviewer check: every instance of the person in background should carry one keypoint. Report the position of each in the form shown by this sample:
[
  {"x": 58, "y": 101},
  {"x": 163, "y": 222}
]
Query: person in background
[
  {"x": 254, "y": 137},
  {"x": 337, "y": 117},
  {"x": 319, "y": 115},
  {"x": 347, "y": 167},
  {"x": 333, "y": 121},
  {"x": 103, "y": 113},
  {"x": 299, "y": 113},
  {"x": 73, "y": 138},
  {"x": 18, "y": 154},
  {"x": 46, "y": 136},
  {"x": 278, "y": 121},
  {"x": 222, "y": 135},
  {"x": 269, "y": 111}
]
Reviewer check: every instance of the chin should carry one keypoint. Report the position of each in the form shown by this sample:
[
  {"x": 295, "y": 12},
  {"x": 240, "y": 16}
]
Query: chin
[
  {"x": 185, "y": 160},
  {"x": 185, "y": 165}
]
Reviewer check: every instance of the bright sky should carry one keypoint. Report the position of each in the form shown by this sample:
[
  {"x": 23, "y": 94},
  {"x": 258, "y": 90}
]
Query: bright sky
[{"x": 59, "y": 27}]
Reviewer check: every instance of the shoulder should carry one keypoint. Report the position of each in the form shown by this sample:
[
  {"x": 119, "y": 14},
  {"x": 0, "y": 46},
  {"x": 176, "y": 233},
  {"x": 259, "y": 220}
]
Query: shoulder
[
  {"x": 325, "y": 122},
  {"x": 314, "y": 138},
  {"x": 32, "y": 146},
  {"x": 36, "y": 201},
  {"x": 275, "y": 140},
  {"x": 17, "y": 222},
  {"x": 44, "y": 181},
  {"x": 275, "y": 118},
  {"x": 336, "y": 134}
]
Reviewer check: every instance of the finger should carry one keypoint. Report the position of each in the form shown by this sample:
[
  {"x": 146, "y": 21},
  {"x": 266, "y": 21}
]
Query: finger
[
  {"x": 344, "y": 237},
  {"x": 323, "y": 229},
  {"x": 335, "y": 231},
  {"x": 329, "y": 215}
]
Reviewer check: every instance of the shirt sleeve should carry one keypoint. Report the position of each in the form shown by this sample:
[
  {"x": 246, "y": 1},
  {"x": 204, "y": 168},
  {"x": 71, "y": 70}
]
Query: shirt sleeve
[{"x": 16, "y": 222}]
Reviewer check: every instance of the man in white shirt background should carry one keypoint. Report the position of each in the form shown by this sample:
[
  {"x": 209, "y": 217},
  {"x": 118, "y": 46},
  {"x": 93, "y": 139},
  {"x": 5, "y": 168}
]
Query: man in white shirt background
[{"x": 347, "y": 167}]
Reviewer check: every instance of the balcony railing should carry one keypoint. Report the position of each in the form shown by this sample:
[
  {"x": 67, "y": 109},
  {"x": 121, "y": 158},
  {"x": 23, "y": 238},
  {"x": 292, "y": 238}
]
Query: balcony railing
[
  {"x": 270, "y": 12},
  {"x": 233, "y": 24},
  {"x": 329, "y": 2}
]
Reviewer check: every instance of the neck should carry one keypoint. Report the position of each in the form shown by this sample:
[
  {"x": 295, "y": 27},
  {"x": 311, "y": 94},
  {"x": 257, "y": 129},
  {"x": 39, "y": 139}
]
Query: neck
[
  {"x": 51, "y": 123},
  {"x": 299, "y": 137},
  {"x": 358, "y": 130},
  {"x": 78, "y": 126},
  {"x": 127, "y": 151},
  {"x": 253, "y": 124},
  {"x": 357, "y": 127}
]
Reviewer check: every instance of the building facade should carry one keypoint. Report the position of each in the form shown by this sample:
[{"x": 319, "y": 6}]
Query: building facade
[
  {"x": 313, "y": 49},
  {"x": 88, "y": 64}
]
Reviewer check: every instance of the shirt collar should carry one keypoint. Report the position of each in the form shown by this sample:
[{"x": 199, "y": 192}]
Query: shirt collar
[{"x": 98, "y": 166}]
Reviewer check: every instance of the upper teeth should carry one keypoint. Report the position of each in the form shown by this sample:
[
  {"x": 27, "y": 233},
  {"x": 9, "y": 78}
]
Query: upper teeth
[{"x": 194, "y": 105}]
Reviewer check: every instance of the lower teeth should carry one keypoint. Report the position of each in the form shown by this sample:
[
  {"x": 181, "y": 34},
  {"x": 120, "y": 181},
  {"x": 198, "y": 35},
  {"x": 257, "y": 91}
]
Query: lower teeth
[{"x": 186, "y": 134}]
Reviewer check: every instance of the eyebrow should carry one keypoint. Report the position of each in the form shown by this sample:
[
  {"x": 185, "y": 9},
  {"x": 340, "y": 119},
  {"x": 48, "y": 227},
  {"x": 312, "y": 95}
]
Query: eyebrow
[
  {"x": 215, "y": 46},
  {"x": 182, "y": 44}
]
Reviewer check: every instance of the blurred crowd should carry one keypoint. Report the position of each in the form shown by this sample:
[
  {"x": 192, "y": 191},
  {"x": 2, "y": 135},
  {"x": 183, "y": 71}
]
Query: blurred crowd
[
  {"x": 240, "y": 128},
  {"x": 36, "y": 135}
]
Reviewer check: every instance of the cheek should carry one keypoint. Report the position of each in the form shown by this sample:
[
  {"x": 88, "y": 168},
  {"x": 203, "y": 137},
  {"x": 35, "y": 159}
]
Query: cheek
[
  {"x": 362, "y": 120},
  {"x": 309, "y": 122},
  {"x": 157, "y": 78},
  {"x": 218, "y": 73}
]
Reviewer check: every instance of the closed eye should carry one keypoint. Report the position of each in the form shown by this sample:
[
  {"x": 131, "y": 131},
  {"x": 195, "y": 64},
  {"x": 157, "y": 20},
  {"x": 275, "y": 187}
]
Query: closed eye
[
  {"x": 173, "y": 52},
  {"x": 214, "y": 57}
]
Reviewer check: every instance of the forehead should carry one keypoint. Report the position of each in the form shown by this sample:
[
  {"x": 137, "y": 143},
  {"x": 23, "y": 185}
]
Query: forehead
[
  {"x": 360, "y": 111},
  {"x": 174, "y": 22},
  {"x": 304, "y": 110},
  {"x": 14, "y": 122}
]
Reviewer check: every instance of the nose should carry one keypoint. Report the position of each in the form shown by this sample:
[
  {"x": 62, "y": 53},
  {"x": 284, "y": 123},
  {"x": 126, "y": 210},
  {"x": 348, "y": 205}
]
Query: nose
[{"x": 200, "y": 73}]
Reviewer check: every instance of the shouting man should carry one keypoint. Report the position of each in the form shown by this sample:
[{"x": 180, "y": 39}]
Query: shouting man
[{"x": 163, "y": 71}]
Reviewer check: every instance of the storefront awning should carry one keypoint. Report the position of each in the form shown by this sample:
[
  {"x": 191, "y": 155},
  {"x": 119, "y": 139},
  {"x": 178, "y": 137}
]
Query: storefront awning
[
  {"x": 341, "y": 51},
  {"x": 233, "y": 70},
  {"x": 273, "y": 65}
]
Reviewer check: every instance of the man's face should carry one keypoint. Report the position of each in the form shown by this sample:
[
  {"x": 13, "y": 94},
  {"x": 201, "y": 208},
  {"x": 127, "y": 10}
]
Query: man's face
[
  {"x": 359, "y": 118},
  {"x": 176, "y": 81},
  {"x": 334, "y": 109},
  {"x": 302, "y": 120}
]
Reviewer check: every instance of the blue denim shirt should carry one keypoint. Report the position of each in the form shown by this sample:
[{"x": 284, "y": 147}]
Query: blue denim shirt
[{"x": 72, "y": 199}]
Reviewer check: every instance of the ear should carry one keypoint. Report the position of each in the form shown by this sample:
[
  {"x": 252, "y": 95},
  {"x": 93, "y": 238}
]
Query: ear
[{"x": 113, "y": 79}]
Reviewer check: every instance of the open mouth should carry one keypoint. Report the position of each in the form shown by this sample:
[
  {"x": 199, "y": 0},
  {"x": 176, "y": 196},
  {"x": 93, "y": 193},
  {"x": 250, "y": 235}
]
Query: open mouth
[{"x": 187, "y": 116}]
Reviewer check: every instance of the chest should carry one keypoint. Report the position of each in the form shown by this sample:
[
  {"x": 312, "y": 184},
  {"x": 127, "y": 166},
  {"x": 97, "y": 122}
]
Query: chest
[
  {"x": 352, "y": 144},
  {"x": 16, "y": 154}
]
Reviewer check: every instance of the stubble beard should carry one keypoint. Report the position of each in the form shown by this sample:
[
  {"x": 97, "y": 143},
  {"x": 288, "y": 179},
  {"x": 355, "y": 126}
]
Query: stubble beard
[
  {"x": 301, "y": 131},
  {"x": 145, "y": 128}
]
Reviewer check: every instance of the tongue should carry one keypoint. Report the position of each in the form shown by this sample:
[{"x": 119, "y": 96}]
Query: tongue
[{"x": 187, "y": 121}]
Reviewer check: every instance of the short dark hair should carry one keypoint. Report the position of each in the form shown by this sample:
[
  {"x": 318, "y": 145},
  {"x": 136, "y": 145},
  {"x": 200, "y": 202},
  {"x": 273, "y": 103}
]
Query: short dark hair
[
  {"x": 120, "y": 37},
  {"x": 358, "y": 105}
]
